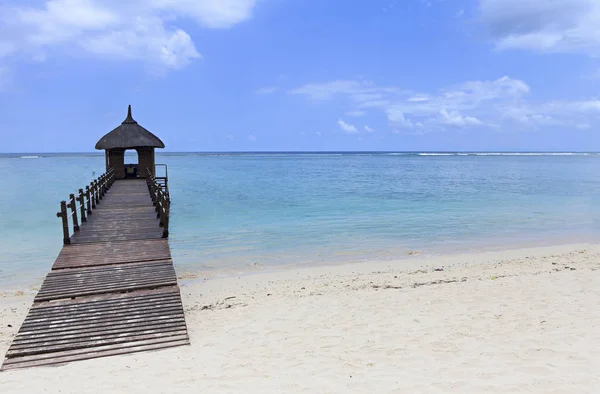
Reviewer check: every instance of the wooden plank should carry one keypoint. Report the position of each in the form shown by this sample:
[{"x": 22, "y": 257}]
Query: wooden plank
[
  {"x": 84, "y": 240},
  {"x": 118, "y": 235},
  {"x": 55, "y": 293},
  {"x": 96, "y": 291},
  {"x": 105, "y": 299},
  {"x": 66, "y": 357},
  {"x": 100, "y": 260},
  {"x": 91, "y": 342},
  {"x": 51, "y": 355},
  {"x": 90, "y": 311},
  {"x": 119, "y": 322},
  {"x": 102, "y": 302},
  {"x": 127, "y": 311},
  {"x": 84, "y": 333},
  {"x": 98, "y": 323}
]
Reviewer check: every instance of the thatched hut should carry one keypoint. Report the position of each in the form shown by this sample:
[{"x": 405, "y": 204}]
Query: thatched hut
[{"x": 130, "y": 135}]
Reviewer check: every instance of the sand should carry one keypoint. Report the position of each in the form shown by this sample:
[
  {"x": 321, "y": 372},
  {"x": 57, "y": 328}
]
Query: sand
[{"x": 515, "y": 321}]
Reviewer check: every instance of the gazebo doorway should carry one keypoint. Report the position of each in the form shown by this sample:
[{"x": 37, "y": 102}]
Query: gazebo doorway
[{"x": 132, "y": 163}]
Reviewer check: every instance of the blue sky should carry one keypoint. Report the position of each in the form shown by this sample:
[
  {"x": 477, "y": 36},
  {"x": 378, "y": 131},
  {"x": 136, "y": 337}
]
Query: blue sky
[{"x": 254, "y": 75}]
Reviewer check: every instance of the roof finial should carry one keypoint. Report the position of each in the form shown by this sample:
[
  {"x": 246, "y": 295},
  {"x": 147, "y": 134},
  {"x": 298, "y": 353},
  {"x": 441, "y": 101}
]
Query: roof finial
[{"x": 129, "y": 117}]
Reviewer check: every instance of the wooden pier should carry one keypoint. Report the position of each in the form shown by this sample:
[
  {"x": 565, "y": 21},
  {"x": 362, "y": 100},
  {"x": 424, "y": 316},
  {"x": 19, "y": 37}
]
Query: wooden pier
[{"x": 113, "y": 288}]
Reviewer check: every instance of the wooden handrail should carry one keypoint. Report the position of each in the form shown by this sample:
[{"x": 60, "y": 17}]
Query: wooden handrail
[
  {"x": 87, "y": 200},
  {"x": 161, "y": 200}
]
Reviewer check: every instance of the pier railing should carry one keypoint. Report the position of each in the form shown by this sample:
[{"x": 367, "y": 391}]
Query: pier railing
[
  {"x": 162, "y": 177},
  {"x": 161, "y": 199},
  {"x": 82, "y": 204}
]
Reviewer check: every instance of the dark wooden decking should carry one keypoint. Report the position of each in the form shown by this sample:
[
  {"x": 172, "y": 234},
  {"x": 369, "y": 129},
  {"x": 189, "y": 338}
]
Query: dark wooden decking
[{"x": 113, "y": 290}]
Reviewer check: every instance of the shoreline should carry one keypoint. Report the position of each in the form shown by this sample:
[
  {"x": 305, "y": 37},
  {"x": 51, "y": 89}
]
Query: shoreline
[
  {"x": 188, "y": 273},
  {"x": 29, "y": 279},
  {"x": 514, "y": 320},
  {"x": 412, "y": 259}
]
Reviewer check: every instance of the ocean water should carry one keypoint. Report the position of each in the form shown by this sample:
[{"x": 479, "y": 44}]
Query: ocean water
[{"x": 236, "y": 213}]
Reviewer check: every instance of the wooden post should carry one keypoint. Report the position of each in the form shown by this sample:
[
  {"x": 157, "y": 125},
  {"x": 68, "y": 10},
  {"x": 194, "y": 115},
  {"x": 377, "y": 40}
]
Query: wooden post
[
  {"x": 163, "y": 208},
  {"x": 158, "y": 190},
  {"x": 167, "y": 217},
  {"x": 81, "y": 199},
  {"x": 153, "y": 193},
  {"x": 65, "y": 222},
  {"x": 88, "y": 195},
  {"x": 96, "y": 191},
  {"x": 73, "y": 206},
  {"x": 159, "y": 208},
  {"x": 167, "y": 178},
  {"x": 149, "y": 181},
  {"x": 101, "y": 181},
  {"x": 92, "y": 195}
]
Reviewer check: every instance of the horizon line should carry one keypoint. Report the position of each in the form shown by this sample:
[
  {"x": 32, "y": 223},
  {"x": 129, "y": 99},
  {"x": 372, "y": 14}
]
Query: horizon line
[{"x": 311, "y": 151}]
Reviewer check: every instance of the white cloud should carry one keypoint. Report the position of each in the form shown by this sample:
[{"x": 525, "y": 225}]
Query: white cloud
[
  {"x": 446, "y": 107},
  {"x": 584, "y": 106},
  {"x": 251, "y": 138},
  {"x": 544, "y": 25},
  {"x": 229, "y": 137},
  {"x": 409, "y": 132},
  {"x": 356, "y": 113},
  {"x": 396, "y": 116},
  {"x": 147, "y": 38},
  {"x": 364, "y": 93},
  {"x": 216, "y": 14},
  {"x": 326, "y": 91},
  {"x": 475, "y": 104},
  {"x": 347, "y": 127},
  {"x": 418, "y": 98},
  {"x": 318, "y": 133},
  {"x": 143, "y": 30},
  {"x": 553, "y": 113},
  {"x": 369, "y": 129},
  {"x": 267, "y": 90},
  {"x": 454, "y": 118}
]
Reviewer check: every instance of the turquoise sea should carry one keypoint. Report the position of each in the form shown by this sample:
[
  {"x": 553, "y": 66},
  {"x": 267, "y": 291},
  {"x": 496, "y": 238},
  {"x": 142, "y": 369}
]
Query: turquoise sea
[{"x": 234, "y": 213}]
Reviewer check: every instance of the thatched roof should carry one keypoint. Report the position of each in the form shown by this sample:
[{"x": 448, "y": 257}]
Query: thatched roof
[{"x": 129, "y": 135}]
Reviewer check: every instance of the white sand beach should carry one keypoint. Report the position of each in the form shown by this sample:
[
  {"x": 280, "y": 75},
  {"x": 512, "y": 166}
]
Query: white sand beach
[{"x": 523, "y": 321}]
